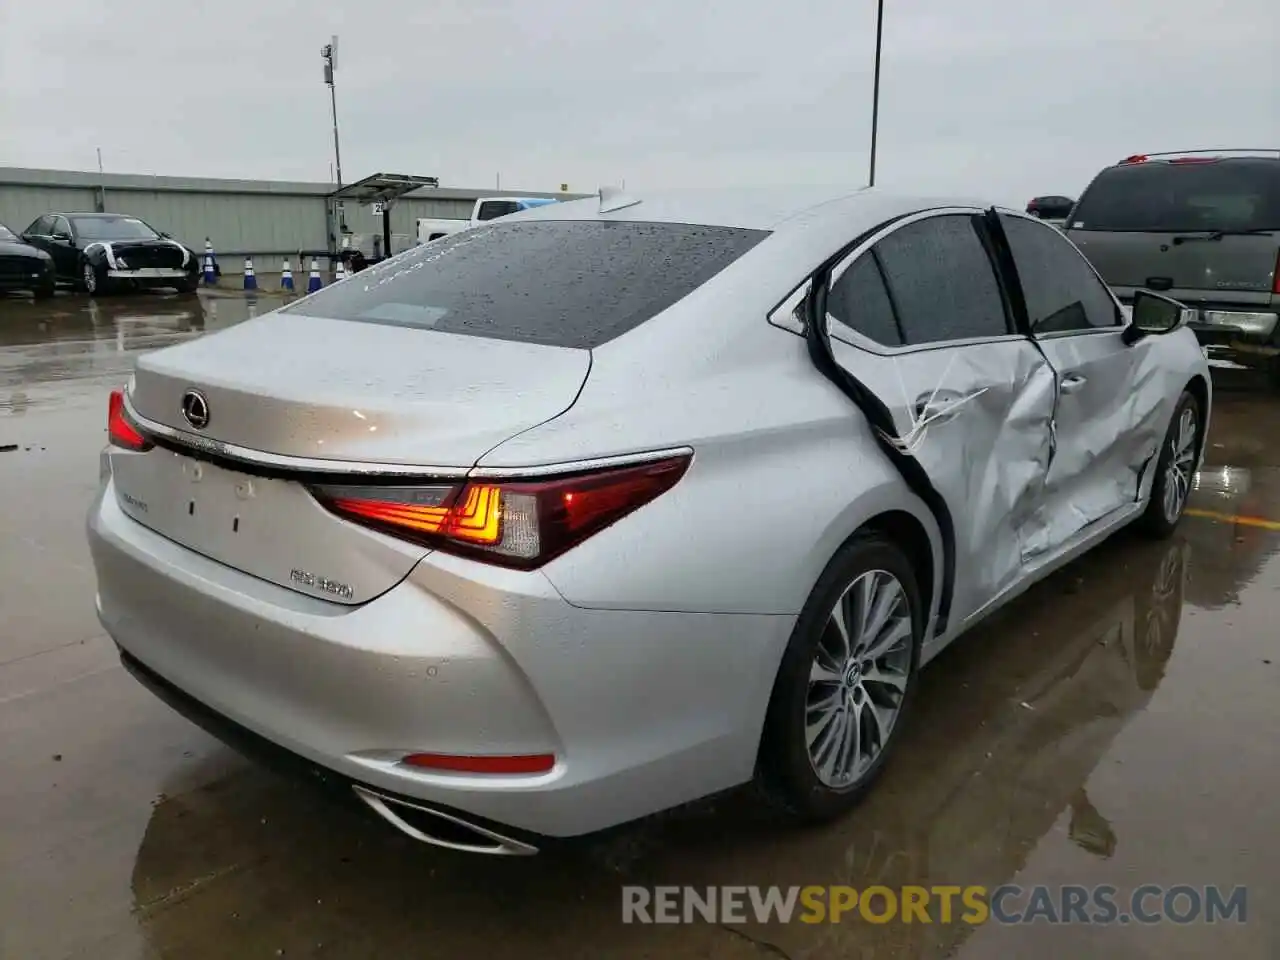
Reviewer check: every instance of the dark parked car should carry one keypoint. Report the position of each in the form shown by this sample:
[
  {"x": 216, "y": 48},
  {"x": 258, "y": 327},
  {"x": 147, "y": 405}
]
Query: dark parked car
[
  {"x": 24, "y": 267},
  {"x": 101, "y": 252},
  {"x": 1050, "y": 208},
  {"x": 1202, "y": 227}
]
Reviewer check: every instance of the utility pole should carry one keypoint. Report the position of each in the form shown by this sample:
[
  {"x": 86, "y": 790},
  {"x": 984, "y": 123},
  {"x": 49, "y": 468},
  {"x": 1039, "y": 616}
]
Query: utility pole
[
  {"x": 101, "y": 198},
  {"x": 875, "y": 92},
  {"x": 329, "y": 53}
]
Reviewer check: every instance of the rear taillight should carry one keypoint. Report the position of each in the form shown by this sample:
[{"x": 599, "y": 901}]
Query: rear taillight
[
  {"x": 120, "y": 429},
  {"x": 1136, "y": 158},
  {"x": 517, "y": 523},
  {"x": 1275, "y": 277}
]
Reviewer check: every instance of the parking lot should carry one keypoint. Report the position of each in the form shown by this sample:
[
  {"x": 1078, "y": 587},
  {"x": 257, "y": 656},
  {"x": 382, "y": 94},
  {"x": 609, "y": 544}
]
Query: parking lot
[{"x": 1117, "y": 725}]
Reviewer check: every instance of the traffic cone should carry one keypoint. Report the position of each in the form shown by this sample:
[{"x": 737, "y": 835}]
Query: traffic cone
[
  {"x": 286, "y": 277},
  {"x": 341, "y": 273},
  {"x": 250, "y": 281},
  {"x": 210, "y": 272},
  {"x": 314, "y": 282}
]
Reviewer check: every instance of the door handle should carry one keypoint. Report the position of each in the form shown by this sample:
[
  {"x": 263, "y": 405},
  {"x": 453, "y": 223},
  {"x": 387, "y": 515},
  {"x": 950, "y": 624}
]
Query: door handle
[{"x": 1073, "y": 382}]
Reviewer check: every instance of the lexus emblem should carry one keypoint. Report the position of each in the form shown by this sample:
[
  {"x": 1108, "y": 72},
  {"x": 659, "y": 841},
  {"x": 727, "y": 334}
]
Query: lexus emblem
[{"x": 195, "y": 409}]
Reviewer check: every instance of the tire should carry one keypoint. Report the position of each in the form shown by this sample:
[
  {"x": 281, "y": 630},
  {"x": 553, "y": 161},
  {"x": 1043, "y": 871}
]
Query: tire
[
  {"x": 188, "y": 285},
  {"x": 45, "y": 292},
  {"x": 92, "y": 280},
  {"x": 1174, "y": 470},
  {"x": 805, "y": 782}
]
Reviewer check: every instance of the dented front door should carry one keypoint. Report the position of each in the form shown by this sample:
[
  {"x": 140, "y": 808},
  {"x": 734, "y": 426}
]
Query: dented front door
[{"x": 1109, "y": 408}]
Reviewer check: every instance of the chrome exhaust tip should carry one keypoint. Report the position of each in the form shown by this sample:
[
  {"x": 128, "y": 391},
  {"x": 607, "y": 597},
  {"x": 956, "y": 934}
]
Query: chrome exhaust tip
[{"x": 441, "y": 829}]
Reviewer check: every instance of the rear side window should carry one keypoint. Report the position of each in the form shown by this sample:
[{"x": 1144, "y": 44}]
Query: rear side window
[
  {"x": 1157, "y": 197},
  {"x": 1061, "y": 291},
  {"x": 496, "y": 208},
  {"x": 942, "y": 281},
  {"x": 859, "y": 300},
  {"x": 562, "y": 283}
]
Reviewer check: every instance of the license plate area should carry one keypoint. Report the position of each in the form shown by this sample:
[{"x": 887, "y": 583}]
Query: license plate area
[
  {"x": 221, "y": 513},
  {"x": 270, "y": 528}
]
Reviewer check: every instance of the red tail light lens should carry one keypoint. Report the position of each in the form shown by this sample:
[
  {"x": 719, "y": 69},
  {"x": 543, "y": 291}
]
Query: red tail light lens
[
  {"x": 1136, "y": 158},
  {"x": 1275, "y": 277},
  {"x": 523, "y": 763},
  {"x": 519, "y": 523},
  {"x": 120, "y": 430}
]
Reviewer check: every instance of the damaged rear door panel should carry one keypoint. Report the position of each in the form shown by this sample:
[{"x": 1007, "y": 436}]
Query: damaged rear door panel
[{"x": 917, "y": 319}]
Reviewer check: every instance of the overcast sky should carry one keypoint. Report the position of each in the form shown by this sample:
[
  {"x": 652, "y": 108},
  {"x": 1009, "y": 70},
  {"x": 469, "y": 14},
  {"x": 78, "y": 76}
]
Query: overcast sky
[{"x": 1002, "y": 98}]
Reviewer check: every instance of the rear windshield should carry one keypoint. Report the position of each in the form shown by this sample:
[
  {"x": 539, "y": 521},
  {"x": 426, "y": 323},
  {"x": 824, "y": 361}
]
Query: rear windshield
[
  {"x": 1240, "y": 194},
  {"x": 563, "y": 283}
]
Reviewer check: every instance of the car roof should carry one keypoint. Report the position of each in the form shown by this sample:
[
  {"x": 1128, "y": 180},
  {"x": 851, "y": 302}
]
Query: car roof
[
  {"x": 96, "y": 215},
  {"x": 747, "y": 208}
]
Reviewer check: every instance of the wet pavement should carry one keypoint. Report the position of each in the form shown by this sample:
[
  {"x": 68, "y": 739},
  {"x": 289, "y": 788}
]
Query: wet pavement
[{"x": 1118, "y": 725}]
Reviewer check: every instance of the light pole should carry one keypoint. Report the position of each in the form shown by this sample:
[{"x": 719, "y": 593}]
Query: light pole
[
  {"x": 875, "y": 93},
  {"x": 329, "y": 53}
]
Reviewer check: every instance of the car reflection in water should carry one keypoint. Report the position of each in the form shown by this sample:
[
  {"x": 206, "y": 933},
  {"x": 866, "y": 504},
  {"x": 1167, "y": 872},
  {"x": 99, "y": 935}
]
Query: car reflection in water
[{"x": 1012, "y": 723}]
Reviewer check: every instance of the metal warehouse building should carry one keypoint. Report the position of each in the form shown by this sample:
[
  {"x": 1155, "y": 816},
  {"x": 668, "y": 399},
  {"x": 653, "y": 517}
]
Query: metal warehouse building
[{"x": 265, "y": 219}]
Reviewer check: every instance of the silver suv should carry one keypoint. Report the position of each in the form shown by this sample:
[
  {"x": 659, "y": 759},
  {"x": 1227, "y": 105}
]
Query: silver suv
[{"x": 1202, "y": 227}]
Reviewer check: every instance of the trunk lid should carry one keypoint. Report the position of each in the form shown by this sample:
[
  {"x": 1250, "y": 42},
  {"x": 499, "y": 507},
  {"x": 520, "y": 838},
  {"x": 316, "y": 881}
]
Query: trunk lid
[
  {"x": 303, "y": 386},
  {"x": 325, "y": 390}
]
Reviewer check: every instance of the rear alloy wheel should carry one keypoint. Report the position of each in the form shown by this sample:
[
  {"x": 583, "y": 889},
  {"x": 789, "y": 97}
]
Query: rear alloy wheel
[
  {"x": 1175, "y": 470},
  {"x": 845, "y": 683}
]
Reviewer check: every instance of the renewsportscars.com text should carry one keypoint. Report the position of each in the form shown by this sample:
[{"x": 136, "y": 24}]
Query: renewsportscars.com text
[{"x": 974, "y": 905}]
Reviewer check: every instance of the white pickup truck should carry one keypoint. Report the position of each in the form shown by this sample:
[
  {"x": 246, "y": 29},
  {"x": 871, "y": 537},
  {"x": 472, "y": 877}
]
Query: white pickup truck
[{"x": 486, "y": 209}]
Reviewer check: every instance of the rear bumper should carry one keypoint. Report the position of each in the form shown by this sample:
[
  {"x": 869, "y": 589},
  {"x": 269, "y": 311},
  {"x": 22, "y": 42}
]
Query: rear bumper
[
  {"x": 1248, "y": 339},
  {"x": 1240, "y": 330},
  {"x": 643, "y": 711},
  {"x": 345, "y": 790}
]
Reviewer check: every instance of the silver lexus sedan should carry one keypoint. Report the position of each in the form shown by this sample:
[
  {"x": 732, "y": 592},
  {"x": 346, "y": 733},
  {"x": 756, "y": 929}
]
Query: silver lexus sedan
[{"x": 618, "y": 503}]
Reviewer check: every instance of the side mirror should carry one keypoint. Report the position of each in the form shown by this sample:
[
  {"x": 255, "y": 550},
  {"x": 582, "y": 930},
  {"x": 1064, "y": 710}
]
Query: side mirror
[{"x": 1152, "y": 315}]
